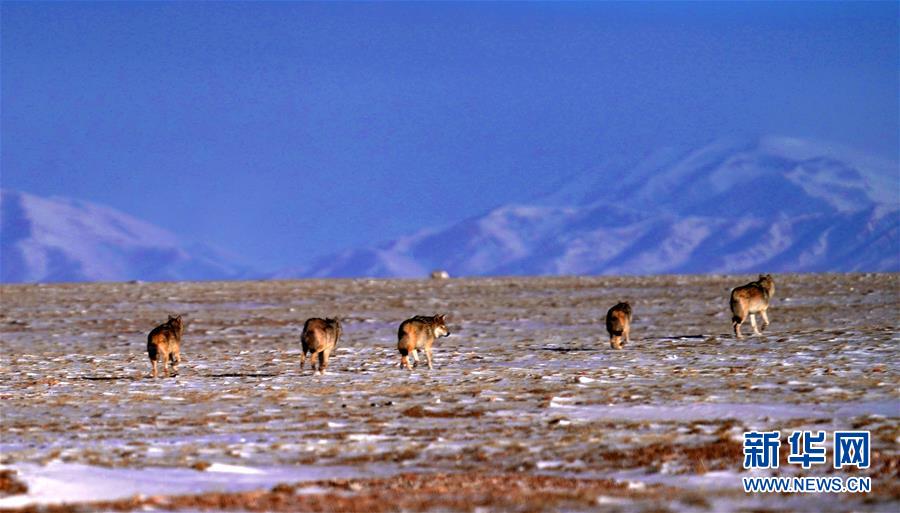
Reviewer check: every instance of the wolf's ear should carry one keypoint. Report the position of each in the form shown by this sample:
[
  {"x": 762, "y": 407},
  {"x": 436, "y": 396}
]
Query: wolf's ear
[
  {"x": 172, "y": 317},
  {"x": 178, "y": 318},
  {"x": 441, "y": 317}
]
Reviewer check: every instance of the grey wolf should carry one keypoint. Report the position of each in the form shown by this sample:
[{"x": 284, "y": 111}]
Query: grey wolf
[
  {"x": 164, "y": 342},
  {"x": 419, "y": 332},
  {"x": 320, "y": 338},
  {"x": 751, "y": 299},
  {"x": 618, "y": 324}
]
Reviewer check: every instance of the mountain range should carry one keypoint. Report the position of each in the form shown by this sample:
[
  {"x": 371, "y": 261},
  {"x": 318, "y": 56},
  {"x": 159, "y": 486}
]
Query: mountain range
[
  {"x": 772, "y": 204},
  {"x": 62, "y": 240}
]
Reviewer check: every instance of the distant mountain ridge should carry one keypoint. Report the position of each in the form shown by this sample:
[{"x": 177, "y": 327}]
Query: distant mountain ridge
[
  {"x": 733, "y": 206},
  {"x": 63, "y": 240}
]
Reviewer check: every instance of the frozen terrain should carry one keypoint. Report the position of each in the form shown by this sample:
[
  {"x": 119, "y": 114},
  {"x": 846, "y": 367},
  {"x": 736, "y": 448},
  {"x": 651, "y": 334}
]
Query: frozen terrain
[{"x": 527, "y": 407}]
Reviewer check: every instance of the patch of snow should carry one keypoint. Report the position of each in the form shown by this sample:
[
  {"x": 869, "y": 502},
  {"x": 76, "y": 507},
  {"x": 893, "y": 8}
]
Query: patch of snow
[{"x": 59, "y": 482}]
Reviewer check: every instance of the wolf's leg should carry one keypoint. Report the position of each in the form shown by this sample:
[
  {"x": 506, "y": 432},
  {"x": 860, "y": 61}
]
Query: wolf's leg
[
  {"x": 627, "y": 335},
  {"x": 415, "y": 353},
  {"x": 323, "y": 361},
  {"x": 614, "y": 342},
  {"x": 313, "y": 356},
  {"x": 175, "y": 357},
  {"x": 753, "y": 323},
  {"x": 165, "y": 359},
  {"x": 153, "y": 366},
  {"x": 428, "y": 356},
  {"x": 404, "y": 362},
  {"x": 765, "y": 320}
]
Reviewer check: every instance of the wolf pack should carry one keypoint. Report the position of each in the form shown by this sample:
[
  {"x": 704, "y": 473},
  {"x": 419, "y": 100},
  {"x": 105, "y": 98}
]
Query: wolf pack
[{"x": 320, "y": 336}]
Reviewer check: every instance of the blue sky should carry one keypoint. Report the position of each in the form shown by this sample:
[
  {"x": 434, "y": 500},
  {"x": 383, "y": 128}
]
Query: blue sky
[{"x": 283, "y": 131}]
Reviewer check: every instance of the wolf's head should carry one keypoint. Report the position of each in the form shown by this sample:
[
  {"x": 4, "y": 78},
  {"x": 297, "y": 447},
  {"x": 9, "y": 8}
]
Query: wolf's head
[
  {"x": 336, "y": 325},
  {"x": 176, "y": 323},
  {"x": 439, "y": 325},
  {"x": 766, "y": 282}
]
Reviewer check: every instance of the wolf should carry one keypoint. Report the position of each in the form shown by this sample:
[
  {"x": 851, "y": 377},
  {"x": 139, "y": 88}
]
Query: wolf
[
  {"x": 618, "y": 324},
  {"x": 164, "y": 342},
  {"x": 320, "y": 338},
  {"x": 419, "y": 332},
  {"x": 751, "y": 299}
]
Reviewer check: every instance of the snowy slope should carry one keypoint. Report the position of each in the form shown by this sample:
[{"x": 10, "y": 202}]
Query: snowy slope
[
  {"x": 733, "y": 206},
  {"x": 58, "y": 239}
]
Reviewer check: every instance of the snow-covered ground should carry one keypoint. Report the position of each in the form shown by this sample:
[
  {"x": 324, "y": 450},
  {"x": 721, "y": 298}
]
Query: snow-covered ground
[
  {"x": 526, "y": 384},
  {"x": 58, "y": 482}
]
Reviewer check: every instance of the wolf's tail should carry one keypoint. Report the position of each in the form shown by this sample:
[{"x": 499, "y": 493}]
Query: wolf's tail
[
  {"x": 404, "y": 344},
  {"x": 737, "y": 310}
]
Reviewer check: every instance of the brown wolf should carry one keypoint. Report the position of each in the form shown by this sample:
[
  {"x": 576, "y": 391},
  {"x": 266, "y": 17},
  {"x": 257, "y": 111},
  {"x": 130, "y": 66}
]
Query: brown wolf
[
  {"x": 750, "y": 299},
  {"x": 419, "y": 332},
  {"x": 618, "y": 324},
  {"x": 320, "y": 337},
  {"x": 164, "y": 342}
]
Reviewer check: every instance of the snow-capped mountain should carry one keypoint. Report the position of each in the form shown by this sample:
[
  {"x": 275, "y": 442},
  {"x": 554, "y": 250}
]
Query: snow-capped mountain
[
  {"x": 59, "y": 239},
  {"x": 773, "y": 204}
]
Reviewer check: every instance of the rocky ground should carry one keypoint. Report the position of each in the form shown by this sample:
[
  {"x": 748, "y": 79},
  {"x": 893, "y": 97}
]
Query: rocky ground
[{"x": 527, "y": 407}]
